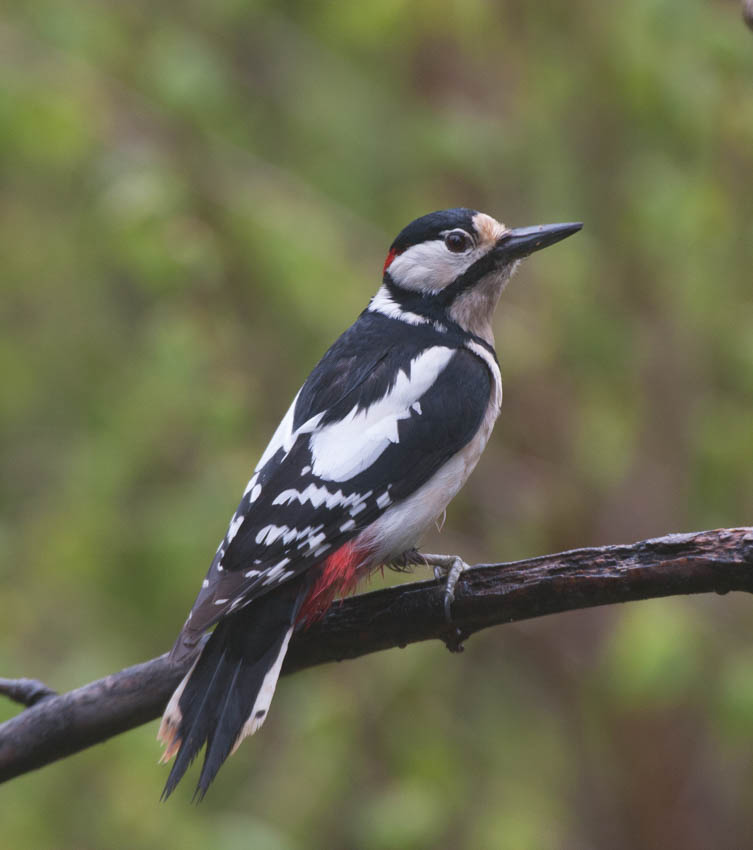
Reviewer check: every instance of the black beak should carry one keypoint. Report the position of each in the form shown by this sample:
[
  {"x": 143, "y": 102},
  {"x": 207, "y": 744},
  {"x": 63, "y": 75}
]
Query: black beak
[{"x": 522, "y": 241}]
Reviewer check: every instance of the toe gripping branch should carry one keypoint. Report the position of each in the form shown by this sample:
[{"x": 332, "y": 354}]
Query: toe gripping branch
[{"x": 449, "y": 568}]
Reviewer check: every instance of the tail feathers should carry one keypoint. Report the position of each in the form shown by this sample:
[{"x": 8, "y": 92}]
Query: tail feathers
[
  {"x": 235, "y": 720},
  {"x": 227, "y": 693}
]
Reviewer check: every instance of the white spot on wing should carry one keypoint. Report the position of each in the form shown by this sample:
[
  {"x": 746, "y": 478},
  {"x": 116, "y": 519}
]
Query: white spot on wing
[
  {"x": 235, "y": 524},
  {"x": 270, "y": 533},
  {"x": 275, "y": 573},
  {"x": 318, "y": 496},
  {"x": 315, "y": 540},
  {"x": 347, "y": 526},
  {"x": 383, "y": 500}
]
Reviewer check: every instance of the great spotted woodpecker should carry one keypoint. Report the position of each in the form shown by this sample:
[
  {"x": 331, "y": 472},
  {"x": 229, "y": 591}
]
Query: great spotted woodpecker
[{"x": 383, "y": 433}]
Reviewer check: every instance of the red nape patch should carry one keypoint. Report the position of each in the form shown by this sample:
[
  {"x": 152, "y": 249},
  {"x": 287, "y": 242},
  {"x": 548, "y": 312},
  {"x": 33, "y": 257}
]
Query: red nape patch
[
  {"x": 337, "y": 574},
  {"x": 390, "y": 257}
]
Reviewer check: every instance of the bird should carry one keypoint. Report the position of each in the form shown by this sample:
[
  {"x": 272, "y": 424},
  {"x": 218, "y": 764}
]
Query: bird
[{"x": 381, "y": 436}]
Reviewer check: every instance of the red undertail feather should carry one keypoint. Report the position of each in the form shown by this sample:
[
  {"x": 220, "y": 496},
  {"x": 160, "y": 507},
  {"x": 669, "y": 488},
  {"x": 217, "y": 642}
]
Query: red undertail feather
[{"x": 338, "y": 575}]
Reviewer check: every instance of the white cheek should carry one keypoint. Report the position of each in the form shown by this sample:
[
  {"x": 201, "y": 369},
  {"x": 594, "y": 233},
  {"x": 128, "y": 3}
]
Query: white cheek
[{"x": 430, "y": 267}]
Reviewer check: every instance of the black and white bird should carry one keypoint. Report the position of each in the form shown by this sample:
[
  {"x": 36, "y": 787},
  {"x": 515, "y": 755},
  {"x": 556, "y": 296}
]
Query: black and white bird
[{"x": 381, "y": 436}]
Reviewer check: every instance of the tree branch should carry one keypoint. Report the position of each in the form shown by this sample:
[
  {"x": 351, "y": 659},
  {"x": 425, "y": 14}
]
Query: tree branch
[
  {"x": 487, "y": 595},
  {"x": 748, "y": 12}
]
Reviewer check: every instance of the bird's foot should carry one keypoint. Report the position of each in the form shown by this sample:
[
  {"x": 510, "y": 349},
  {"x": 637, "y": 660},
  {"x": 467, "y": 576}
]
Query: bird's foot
[{"x": 449, "y": 567}]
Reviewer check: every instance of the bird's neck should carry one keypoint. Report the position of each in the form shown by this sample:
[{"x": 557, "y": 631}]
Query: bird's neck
[
  {"x": 474, "y": 308},
  {"x": 469, "y": 310}
]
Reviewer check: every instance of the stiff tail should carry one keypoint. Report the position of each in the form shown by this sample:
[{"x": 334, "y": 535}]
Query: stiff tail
[{"x": 226, "y": 694}]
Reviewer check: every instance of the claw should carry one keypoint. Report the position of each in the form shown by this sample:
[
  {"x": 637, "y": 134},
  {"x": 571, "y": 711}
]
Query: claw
[{"x": 450, "y": 567}]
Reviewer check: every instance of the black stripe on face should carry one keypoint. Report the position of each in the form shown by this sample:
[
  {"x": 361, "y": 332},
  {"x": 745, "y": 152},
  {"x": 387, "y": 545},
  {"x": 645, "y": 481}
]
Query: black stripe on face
[{"x": 485, "y": 265}]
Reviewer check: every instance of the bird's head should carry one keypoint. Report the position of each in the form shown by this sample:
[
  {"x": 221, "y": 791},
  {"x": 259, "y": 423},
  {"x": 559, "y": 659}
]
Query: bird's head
[{"x": 455, "y": 263}]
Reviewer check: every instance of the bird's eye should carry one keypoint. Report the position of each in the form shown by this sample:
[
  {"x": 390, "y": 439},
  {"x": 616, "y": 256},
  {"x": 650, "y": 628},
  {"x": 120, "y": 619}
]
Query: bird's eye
[{"x": 457, "y": 241}]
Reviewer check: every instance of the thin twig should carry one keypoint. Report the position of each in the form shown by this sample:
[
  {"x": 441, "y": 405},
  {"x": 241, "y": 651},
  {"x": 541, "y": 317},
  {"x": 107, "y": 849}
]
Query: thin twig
[
  {"x": 704, "y": 562},
  {"x": 26, "y": 691}
]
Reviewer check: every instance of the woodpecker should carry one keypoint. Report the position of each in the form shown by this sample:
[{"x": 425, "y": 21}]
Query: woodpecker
[{"x": 383, "y": 433}]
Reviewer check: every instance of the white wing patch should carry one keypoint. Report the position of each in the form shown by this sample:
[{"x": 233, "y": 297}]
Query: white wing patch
[
  {"x": 284, "y": 437},
  {"x": 342, "y": 449}
]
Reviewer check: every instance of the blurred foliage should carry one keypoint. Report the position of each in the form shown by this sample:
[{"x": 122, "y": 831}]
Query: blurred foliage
[{"x": 195, "y": 200}]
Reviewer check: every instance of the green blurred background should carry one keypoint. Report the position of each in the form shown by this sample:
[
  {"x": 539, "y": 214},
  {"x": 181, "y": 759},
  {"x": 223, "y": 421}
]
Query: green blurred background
[{"x": 195, "y": 199}]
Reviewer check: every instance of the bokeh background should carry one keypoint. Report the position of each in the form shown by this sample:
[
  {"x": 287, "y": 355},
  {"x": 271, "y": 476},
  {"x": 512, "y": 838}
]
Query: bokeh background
[{"x": 195, "y": 199}]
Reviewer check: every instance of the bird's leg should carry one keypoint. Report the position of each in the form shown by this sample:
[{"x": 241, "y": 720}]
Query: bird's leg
[{"x": 449, "y": 567}]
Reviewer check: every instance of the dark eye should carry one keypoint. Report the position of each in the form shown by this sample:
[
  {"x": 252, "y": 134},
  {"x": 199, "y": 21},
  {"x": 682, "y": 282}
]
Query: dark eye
[{"x": 457, "y": 241}]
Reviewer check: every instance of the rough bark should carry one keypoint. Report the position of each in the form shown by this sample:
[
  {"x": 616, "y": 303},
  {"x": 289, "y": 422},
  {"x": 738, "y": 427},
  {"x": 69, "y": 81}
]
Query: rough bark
[{"x": 54, "y": 726}]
